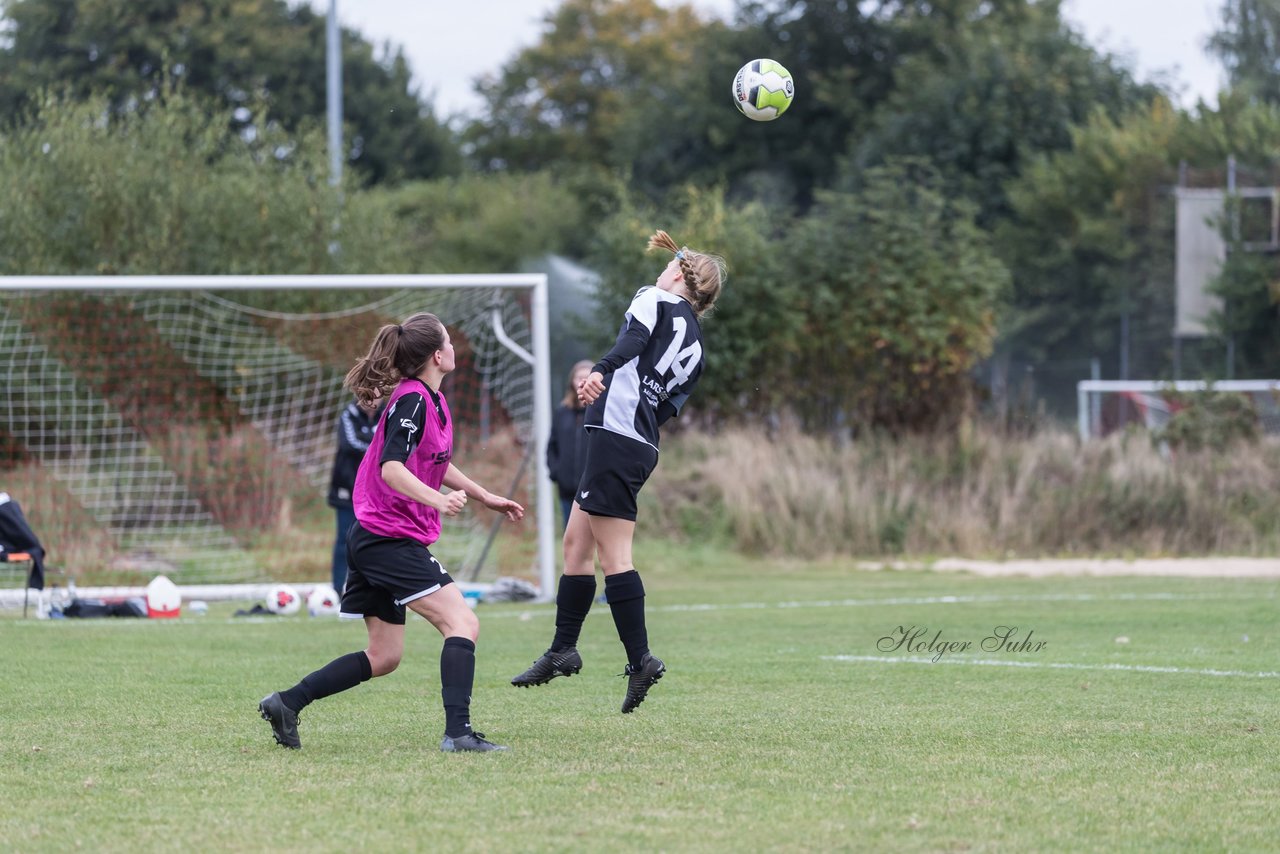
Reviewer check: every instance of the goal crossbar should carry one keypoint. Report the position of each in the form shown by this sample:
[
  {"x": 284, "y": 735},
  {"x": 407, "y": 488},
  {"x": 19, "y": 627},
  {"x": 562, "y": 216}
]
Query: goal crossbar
[{"x": 535, "y": 284}]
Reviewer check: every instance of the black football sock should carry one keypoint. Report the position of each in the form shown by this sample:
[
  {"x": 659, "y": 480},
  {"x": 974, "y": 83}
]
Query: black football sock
[
  {"x": 573, "y": 601},
  {"x": 625, "y": 592},
  {"x": 457, "y": 675},
  {"x": 336, "y": 676}
]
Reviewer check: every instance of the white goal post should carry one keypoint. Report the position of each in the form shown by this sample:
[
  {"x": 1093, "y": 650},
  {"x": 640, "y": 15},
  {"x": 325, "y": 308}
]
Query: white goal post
[
  {"x": 253, "y": 360},
  {"x": 1146, "y": 404}
]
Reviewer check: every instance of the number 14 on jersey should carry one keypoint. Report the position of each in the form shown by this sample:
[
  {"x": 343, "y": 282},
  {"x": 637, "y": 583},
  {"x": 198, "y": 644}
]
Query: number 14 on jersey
[{"x": 680, "y": 362}]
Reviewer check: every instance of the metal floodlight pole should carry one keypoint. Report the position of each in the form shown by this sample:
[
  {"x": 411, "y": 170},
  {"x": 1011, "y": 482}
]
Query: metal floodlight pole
[{"x": 333, "y": 65}]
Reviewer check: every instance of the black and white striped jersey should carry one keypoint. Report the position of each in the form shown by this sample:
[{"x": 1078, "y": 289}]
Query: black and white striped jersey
[{"x": 652, "y": 368}]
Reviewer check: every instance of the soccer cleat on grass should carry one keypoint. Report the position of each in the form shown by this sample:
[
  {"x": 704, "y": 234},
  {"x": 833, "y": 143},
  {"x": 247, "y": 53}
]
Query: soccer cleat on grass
[
  {"x": 283, "y": 720},
  {"x": 473, "y": 742},
  {"x": 566, "y": 662},
  {"x": 640, "y": 680}
]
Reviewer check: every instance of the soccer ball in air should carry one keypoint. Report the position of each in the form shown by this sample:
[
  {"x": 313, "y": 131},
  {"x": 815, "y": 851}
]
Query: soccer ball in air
[
  {"x": 283, "y": 600},
  {"x": 323, "y": 601},
  {"x": 763, "y": 90}
]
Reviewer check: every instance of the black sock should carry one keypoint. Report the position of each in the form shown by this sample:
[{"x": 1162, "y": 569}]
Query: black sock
[
  {"x": 573, "y": 601},
  {"x": 457, "y": 675},
  {"x": 338, "y": 675},
  {"x": 625, "y": 593}
]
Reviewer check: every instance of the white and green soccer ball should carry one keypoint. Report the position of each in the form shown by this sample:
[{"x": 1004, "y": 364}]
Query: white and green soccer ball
[{"x": 763, "y": 90}]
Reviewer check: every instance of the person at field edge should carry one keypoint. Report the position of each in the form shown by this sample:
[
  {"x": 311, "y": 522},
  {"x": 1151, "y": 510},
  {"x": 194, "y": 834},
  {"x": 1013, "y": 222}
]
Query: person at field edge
[
  {"x": 356, "y": 423},
  {"x": 639, "y": 385},
  {"x": 398, "y": 502},
  {"x": 567, "y": 447}
]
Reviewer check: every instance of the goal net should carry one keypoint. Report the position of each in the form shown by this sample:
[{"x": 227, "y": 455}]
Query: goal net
[
  {"x": 187, "y": 425},
  {"x": 1105, "y": 406}
]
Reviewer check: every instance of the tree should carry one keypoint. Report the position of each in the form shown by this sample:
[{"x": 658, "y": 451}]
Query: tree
[
  {"x": 983, "y": 85},
  {"x": 844, "y": 58},
  {"x": 567, "y": 98},
  {"x": 900, "y": 293},
  {"x": 241, "y": 53},
  {"x": 1091, "y": 242},
  {"x": 170, "y": 190},
  {"x": 1248, "y": 44},
  {"x": 1247, "y": 128},
  {"x": 755, "y": 324},
  {"x": 472, "y": 223}
]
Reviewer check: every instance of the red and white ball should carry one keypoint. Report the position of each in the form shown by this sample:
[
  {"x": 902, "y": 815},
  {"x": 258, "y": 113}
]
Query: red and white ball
[
  {"x": 323, "y": 601},
  {"x": 283, "y": 600}
]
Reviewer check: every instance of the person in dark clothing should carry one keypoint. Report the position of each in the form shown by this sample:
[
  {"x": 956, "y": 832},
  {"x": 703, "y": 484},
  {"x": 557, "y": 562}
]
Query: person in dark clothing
[
  {"x": 639, "y": 385},
  {"x": 355, "y": 431},
  {"x": 567, "y": 447}
]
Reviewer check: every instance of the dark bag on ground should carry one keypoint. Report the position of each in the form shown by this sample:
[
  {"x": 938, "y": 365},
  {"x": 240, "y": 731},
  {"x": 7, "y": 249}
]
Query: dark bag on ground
[{"x": 99, "y": 608}]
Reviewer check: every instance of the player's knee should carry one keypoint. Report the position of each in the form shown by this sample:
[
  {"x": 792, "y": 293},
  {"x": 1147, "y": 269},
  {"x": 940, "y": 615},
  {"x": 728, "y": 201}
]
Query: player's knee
[
  {"x": 382, "y": 662},
  {"x": 469, "y": 625},
  {"x": 615, "y": 563},
  {"x": 578, "y": 551}
]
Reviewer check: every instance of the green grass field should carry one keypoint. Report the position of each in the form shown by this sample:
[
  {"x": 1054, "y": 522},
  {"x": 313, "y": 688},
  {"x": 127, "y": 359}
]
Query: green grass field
[{"x": 783, "y": 724}]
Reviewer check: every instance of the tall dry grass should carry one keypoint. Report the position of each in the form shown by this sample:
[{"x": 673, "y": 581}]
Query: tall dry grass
[{"x": 978, "y": 493}]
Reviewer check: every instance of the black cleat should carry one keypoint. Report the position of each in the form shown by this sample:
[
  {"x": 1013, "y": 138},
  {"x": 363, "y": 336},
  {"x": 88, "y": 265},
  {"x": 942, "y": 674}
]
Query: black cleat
[
  {"x": 283, "y": 720},
  {"x": 566, "y": 662},
  {"x": 640, "y": 680},
  {"x": 474, "y": 742}
]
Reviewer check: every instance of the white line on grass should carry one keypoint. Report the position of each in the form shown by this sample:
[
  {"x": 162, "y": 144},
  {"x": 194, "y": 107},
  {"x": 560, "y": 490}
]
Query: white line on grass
[
  {"x": 1053, "y": 665},
  {"x": 543, "y": 610}
]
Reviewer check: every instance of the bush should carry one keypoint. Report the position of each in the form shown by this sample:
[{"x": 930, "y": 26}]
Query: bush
[
  {"x": 899, "y": 289},
  {"x": 974, "y": 493},
  {"x": 1213, "y": 419}
]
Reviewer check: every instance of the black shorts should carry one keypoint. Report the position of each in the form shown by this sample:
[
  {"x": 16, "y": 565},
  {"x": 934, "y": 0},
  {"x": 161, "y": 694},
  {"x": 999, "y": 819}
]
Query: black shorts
[
  {"x": 616, "y": 468},
  {"x": 385, "y": 573}
]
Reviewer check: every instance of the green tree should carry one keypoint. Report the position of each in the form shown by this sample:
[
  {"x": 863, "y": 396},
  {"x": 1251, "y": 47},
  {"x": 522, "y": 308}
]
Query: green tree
[
  {"x": 844, "y": 58},
  {"x": 473, "y": 223},
  {"x": 755, "y": 324},
  {"x": 1090, "y": 242},
  {"x": 983, "y": 85},
  {"x": 169, "y": 189},
  {"x": 1248, "y": 44},
  {"x": 1249, "y": 285},
  {"x": 567, "y": 98},
  {"x": 900, "y": 293},
  {"x": 1247, "y": 128},
  {"x": 239, "y": 53}
]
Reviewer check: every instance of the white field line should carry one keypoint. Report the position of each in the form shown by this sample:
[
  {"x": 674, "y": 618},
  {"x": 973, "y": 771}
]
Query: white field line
[
  {"x": 549, "y": 609},
  {"x": 1054, "y": 665}
]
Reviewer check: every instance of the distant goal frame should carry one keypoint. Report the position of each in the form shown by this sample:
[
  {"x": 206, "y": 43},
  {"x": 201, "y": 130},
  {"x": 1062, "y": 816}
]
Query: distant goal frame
[
  {"x": 1088, "y": 416},
  {"x": 539, "y": 359}
]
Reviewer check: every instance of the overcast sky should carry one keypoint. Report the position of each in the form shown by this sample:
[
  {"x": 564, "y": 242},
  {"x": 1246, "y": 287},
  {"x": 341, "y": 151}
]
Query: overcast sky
[{"x": 451, "y": 42}]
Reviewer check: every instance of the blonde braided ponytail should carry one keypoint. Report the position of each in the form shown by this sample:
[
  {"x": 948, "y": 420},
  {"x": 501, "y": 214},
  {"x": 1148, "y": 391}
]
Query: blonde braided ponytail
[{"x": 703, "y": 274}]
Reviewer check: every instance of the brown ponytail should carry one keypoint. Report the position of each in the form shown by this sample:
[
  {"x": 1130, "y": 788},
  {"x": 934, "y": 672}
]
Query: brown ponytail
[{"x": 398, "y": 351}]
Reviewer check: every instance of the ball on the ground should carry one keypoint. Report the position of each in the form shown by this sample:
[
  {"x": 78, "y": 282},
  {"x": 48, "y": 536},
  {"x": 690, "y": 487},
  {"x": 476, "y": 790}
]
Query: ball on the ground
[
  {"x": 763, "y": 89},
  {"x": 283, "y": 600},
  {"x": 323, "y": 601}
]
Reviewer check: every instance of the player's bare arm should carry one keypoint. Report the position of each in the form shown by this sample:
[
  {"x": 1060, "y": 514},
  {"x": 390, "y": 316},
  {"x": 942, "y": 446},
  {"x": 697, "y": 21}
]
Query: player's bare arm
[
  {"x": 403, "y": 481},
  {"x": 456, "y": 480}
]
